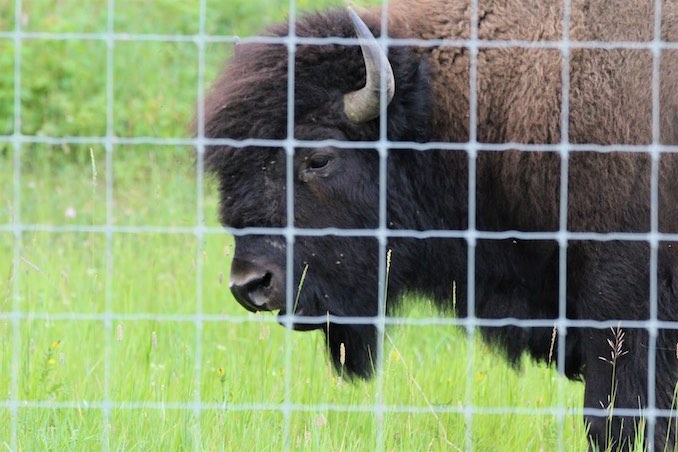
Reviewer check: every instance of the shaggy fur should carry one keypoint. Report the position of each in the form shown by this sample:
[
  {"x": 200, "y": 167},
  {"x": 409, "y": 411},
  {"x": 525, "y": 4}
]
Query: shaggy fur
[{"x": 519, "y": 100}]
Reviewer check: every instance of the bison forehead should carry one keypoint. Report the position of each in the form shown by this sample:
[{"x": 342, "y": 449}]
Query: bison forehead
[{"x": 231, "y": 163}]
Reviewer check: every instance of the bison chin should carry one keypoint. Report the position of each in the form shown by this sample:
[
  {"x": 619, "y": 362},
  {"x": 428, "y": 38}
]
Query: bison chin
[
  {"x": 257, "y": 282},
  {"x": 353, "y": 349},
  {"x": 295, "y": 324}
]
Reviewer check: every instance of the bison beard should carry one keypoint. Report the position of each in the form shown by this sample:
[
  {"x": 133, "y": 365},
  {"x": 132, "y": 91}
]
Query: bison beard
[{"x": 518, "y": 101}]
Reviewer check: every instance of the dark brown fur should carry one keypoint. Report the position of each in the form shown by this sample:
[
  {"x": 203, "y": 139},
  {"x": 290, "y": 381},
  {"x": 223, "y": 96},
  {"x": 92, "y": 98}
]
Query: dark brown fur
[{"x": 519, "y": 97}]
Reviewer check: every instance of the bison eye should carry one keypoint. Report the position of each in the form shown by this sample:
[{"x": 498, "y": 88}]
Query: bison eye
[
  {"x": 318, "y": 164},
  {"x": 318, "y": 161}
]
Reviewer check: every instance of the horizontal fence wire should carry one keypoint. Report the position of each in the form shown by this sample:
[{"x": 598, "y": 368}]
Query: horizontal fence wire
[
  {"x": 315, "y": 320},
  {"x": 303, "y": 40},
  {"x": 323, "y": 232},
  {"x": 382, "y": 233},
  {"x": 352, "y": 145},
  {"x": 387, "y": 408}
]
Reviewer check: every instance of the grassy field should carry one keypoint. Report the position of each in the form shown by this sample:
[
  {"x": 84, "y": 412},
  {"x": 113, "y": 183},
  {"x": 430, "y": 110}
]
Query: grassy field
[{"x": 153, "y": 377}]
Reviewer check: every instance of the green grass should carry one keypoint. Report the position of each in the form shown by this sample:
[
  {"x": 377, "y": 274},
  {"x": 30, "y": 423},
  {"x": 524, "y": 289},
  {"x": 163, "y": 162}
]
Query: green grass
[
  {"x": 156, "y": 273},
  {"x": 78, "y": 364}
]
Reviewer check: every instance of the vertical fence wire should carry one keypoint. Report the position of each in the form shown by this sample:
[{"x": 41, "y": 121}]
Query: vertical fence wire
[
  {"x": 654, "y": 227},
  {"x": 289, "y": 228},
  {"x": 17, "y": 230},
  {"x": 472, "y": 237},
  {"x": 382, "y": 271},
  {"x": 564, "y": 151},
  {"x": 108, "y": 253},
  {"x": 200, "y": 228}
]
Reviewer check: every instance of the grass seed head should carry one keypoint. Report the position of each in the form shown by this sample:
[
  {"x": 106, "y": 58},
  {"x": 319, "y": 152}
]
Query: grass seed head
[
  {"x": 320, "y": 421},
  {"x": 94, "y": 169},
  {"x": 342, "y": 354},
  {"x": 118, "y": 333},
  {"x": 554, "y": 333},
  {"x": 154, "y": 340},
  {"x": 616, "y": 345},
  {"x": 454, "y": 296},
  {"x": 264, "y": 332}
]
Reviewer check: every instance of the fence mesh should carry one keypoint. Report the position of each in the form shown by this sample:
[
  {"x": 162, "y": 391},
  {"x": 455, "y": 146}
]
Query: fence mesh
[{"x": 109, "y": 316}]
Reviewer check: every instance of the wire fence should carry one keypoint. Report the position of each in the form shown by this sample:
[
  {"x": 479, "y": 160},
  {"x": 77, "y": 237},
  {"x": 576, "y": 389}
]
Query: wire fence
[{"x": 18, "y": 227}]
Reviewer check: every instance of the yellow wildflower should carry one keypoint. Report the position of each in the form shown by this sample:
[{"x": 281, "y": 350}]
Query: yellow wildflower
[{"x": 395, "y": 356}]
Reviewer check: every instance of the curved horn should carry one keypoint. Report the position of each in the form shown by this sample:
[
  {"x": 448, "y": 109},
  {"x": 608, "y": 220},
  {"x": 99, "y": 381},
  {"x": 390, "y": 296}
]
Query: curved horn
[{"x": 363, "y": 105}]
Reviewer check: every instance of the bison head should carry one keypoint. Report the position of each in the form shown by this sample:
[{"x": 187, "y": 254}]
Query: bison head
[{"x": 336, "y": 97}]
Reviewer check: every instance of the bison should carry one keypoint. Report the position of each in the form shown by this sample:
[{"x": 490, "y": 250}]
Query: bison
[{"x": 481, "y": 112}]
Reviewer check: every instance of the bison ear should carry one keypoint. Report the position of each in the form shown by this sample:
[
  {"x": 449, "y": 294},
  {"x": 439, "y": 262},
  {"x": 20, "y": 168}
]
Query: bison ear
[{"x": 363, "y": 105}]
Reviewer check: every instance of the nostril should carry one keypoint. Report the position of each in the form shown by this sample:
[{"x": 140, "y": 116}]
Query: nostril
[
  {"x": 251, "y": 285},
  {"x": 258, "y": 282},
  {"x": 266, "y": 281}
]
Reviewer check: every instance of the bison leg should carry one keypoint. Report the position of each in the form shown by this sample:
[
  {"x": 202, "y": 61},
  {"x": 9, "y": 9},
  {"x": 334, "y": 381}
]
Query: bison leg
[
  {"x": 616, "y": 378},
  {"x": 666, "y": 381}
]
